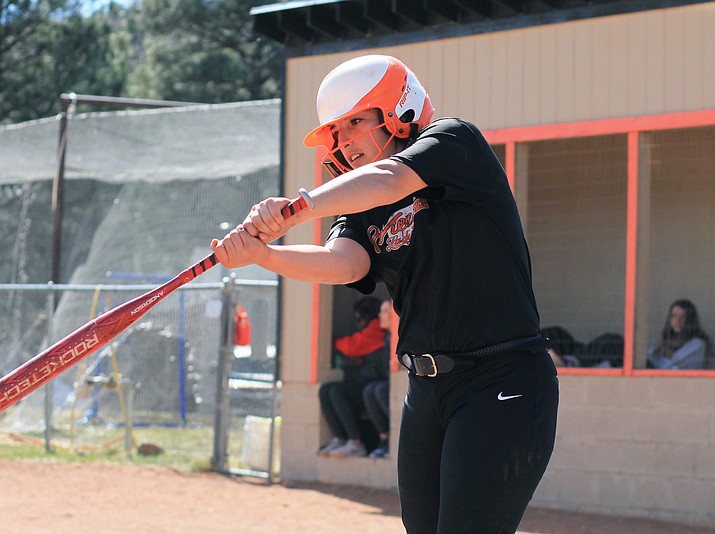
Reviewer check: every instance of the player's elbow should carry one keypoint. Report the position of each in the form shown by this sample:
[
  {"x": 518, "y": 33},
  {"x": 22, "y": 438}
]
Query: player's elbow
[
  {"x": 355, "y": 275},
  {"x": 344, "y": 272},
  {"x": 346, "y": 262}
]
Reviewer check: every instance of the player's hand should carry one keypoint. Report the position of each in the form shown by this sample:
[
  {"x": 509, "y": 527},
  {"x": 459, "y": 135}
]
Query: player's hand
[
  {"x": 265, "y": 220},
  {"x": 239, "y": 248}
]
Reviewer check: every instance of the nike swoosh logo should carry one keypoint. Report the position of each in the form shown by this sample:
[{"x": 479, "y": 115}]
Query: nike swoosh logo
[{"x": 501, "y": 396}]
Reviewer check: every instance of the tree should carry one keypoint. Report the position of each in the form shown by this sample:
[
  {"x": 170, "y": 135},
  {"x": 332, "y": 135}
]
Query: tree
[
  {"x": 49, "y": 47},
  {"x": 204, "y": 51},
  {"x": 188, "y": 50}
]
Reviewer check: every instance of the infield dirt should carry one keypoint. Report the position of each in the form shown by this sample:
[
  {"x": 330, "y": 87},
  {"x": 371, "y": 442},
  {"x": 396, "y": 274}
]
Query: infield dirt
[{"x": 78, "y": 498}]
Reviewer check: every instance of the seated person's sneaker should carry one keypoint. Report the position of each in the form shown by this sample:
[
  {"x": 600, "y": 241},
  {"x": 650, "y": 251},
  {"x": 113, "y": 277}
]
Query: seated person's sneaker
[
  {"x": 352, "y": 447},
  {"x": 381, "y": 451},
  {"x": 333, "y": 444}
]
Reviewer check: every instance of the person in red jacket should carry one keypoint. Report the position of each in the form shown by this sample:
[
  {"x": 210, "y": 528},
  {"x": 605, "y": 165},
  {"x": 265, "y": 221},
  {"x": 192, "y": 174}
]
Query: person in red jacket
[{"x": 363, "y": 356}]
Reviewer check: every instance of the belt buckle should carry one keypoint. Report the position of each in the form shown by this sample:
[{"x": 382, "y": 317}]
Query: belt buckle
[{"x": 434, "y": 365}]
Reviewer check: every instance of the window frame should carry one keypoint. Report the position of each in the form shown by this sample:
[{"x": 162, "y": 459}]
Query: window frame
[{"x": 632, "y": 127}]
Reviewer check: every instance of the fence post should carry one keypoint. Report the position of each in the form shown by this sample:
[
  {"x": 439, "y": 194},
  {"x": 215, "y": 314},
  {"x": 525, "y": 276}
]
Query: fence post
[
  {"x": 223, "y": 397},
  {"x": 182, "y": 358},
  {"x": 49, "y": 387}
]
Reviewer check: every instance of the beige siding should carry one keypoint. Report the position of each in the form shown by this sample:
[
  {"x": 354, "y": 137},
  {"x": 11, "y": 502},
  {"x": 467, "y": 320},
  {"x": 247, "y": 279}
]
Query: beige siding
[{"x": 644, "y": 63}]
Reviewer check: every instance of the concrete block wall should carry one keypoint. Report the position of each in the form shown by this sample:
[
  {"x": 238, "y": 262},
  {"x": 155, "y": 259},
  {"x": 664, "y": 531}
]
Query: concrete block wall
[
  {"x": 303, "y": 432},
  {"x": 634, "y": 447},
  {"x": 641, "y": 447},
  {"x": 300, "y": 431},
  {"x": 377, "y": 473}
]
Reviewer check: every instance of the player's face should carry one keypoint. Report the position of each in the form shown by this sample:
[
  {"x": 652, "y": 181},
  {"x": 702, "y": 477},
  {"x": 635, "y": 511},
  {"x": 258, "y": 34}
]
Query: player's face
[
  {"x": 677, "y": 319},
  {"x": 362, "y": 139}
]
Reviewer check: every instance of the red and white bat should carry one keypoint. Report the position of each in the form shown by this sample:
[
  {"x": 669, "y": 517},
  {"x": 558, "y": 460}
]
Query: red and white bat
[{"x": 100, "y": 331}]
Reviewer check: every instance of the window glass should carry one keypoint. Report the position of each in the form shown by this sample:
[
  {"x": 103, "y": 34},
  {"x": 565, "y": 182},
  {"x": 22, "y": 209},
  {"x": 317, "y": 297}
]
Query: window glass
[
  {"x": 575, "y": 221},
  {"x": 677, "y": 223}
]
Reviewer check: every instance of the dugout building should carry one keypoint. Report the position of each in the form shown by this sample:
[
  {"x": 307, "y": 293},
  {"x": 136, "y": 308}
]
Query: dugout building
[{"x": 603, "y": 115}]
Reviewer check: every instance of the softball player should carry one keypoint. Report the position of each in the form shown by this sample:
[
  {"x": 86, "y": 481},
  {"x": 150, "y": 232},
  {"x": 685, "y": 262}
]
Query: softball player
[{"x": 425, "y": 208}]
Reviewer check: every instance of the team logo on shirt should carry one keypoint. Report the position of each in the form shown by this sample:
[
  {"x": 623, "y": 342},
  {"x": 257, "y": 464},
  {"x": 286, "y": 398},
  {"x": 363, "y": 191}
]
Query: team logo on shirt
[{"x": 397, "y": 231}]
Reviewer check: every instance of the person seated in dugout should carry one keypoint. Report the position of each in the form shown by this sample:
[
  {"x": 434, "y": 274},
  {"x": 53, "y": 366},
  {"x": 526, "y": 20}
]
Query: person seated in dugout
[
  {"x": 376, "y": 394},
  {"x": 364, "y": 358},
  {"x": 683, "y": 343},
  {"x": 562, "y": 346},
  {"x": 605, "y": 350}
]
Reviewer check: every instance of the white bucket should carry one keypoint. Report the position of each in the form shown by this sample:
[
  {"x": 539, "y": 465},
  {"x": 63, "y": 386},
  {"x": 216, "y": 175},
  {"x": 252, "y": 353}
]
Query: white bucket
[{"x": 256, "y": 442}]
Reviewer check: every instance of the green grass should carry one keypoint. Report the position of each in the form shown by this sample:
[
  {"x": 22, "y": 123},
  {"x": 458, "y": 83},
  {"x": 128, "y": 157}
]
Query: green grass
[{"x": 183, "y": 448}]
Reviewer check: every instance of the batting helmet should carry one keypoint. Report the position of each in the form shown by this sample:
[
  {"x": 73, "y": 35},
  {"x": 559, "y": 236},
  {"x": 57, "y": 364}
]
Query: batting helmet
[{"x": 369, "y": 82}]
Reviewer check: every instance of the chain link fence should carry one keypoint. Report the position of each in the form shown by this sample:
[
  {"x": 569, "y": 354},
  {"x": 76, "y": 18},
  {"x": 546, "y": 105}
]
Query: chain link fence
[
  {"x": 160, "y": 383},
  {"x": 145, "y": 191}
]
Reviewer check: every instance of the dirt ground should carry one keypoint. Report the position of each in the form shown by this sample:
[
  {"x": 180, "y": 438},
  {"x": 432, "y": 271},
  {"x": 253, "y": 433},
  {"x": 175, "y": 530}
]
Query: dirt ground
[{"x": 74, "y": 498}]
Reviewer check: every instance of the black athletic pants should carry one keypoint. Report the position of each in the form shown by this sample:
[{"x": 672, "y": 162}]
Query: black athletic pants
[
  {"x": 475, "y": 443},
  {"x": 341, "y": 404}
]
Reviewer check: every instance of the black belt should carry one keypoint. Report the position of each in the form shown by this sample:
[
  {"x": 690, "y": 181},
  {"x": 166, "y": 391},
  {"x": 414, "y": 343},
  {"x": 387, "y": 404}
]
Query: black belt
[{"x": 433, "y": 364}]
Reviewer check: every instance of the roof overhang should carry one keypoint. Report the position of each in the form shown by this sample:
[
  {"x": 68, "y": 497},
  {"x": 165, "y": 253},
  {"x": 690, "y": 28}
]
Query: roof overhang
[{"x": 318, "y": 26}]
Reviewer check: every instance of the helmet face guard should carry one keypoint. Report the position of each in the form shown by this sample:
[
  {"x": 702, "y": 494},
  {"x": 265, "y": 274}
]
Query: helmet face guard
[
  {"x": 336, "y": 162},
  {"x": 369, "y": 82}
]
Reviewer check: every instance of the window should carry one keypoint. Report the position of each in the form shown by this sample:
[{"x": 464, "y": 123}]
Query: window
[
  {"x": 676, "y": 235},
  {"x": 620, "y": 218}
]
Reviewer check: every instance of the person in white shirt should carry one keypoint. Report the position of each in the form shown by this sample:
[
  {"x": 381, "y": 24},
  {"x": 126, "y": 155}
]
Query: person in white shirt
[{"x": 683, "y": 343}]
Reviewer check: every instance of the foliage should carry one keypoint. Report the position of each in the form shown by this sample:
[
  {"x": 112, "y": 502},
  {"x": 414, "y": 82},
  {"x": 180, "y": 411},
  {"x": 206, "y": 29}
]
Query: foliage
[
  {"x": 49, "y": 48},
  {"x": 204, "y": 51},
  {"x": 186, "y": 50}
]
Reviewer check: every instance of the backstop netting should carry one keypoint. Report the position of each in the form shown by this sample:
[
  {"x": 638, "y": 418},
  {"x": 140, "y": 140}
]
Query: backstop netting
[{"x": 145, "y": 193}]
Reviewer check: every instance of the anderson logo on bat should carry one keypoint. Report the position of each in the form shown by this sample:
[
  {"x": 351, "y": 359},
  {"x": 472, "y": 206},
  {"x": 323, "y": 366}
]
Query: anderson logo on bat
[
  {"x": 397, "y": 231},
  {"x": 38, "y": 375},
  {"x": 148, "y": 302}
]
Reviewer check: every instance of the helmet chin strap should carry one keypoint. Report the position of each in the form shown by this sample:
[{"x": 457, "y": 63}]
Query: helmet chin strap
[{"x": 337, "y": 162}]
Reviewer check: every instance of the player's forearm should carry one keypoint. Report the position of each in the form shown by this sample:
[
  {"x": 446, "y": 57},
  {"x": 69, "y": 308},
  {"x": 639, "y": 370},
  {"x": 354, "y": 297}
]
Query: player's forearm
[
  {"x": 376, "y": 184},
  {"x": 309, "y": 263}
]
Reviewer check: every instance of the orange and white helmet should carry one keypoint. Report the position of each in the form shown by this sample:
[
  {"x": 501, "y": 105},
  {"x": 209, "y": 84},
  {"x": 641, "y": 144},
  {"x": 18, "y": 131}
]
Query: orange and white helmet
[{"x": 369, "y": 82}]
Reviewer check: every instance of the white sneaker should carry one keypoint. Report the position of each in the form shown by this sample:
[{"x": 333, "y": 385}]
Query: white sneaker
[
  {"x": 333, "y": 444},
  {"x": 351, "y": 448}
]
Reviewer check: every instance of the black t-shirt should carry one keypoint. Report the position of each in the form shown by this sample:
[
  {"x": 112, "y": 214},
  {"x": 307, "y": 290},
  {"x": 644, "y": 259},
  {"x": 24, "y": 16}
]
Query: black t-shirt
[{"x": 453, "y": 255}]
